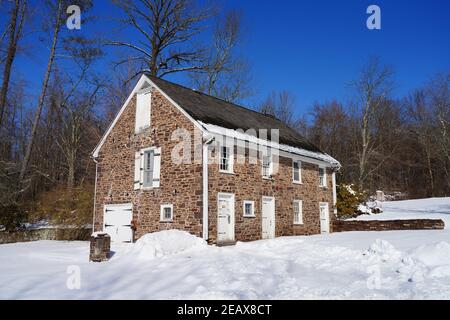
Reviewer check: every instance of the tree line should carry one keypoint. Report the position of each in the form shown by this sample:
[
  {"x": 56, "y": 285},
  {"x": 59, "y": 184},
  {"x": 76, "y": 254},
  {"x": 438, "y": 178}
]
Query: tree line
[
  {"x": 383, "y": 143},
  {"x": 49, "y": 126}
]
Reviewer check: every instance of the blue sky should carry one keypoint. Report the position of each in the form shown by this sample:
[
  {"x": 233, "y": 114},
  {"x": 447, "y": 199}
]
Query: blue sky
[{"x": 314, "y": 48}]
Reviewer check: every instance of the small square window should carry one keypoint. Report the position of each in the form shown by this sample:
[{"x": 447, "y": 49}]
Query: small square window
[
  {"x": 166, "y": 212},
  {"x": 249, "y": 208}
]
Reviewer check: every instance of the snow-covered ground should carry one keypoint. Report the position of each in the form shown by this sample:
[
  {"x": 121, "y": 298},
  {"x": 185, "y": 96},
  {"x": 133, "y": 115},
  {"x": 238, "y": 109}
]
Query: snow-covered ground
[
  {"x": 431, "y": 208},
  {"x": 175, "y": 265}
]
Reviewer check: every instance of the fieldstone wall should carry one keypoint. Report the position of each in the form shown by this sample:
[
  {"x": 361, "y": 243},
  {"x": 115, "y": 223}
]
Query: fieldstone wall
[
  {"x": 247, "y": 183},
  {"x": 180, "y": 184},
  {"x": 100, "y": 247},
  {"x": 387, "y": 225},
  {"x": 45, "y": 234}
]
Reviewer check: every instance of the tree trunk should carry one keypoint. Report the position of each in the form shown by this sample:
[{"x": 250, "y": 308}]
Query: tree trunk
[
  {"x": 365, "y": 137},
  {"x": 42, "y": 95},
  {"x": 430, "y": 173},
  {"x": 71, "y": 175},
  {"x": 14, "y": 36}
]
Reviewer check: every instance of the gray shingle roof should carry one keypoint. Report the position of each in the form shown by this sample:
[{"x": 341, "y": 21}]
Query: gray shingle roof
[{"x": 212, "y": 110}]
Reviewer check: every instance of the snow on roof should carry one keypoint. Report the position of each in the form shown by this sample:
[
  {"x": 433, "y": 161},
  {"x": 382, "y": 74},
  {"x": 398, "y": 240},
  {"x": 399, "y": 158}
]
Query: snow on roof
[{"x": 240, "y": 135}]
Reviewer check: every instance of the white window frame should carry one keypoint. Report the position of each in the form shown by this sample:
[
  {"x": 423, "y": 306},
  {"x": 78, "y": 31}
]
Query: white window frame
[
  {"x": 299, "y": 181},
  {"x": 269, "y": 168},
  {"x": 300, "y": 211},
  {"x": 252, "y": 203},
  {"x": 230, "y": 158},
  {"x": 162, "y": 218},
  {"x": 156, "y": 180},
  {"x": 324, "y": 183},
  {"x": 144, "y": 155}
]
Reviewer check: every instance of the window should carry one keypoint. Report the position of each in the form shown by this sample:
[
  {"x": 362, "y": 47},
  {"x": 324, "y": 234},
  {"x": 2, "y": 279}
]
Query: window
[
  {"x": 166, "y": 212},
  {"x": 226, "y": 159},
  {"x": 297, "y": 171},
  {"x": 267, "y": 166},
  {"x": 143, "y": 101},
  {"x": 298, "y": 212},
  {"x": 148, "y": 168},
  {"x": 249, "y": 208},
  {"x": 322, "y": 177}
]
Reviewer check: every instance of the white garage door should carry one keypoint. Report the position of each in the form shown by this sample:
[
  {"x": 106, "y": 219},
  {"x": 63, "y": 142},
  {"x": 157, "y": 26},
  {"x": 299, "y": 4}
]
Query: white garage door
[{"x": 117, "y": 222}]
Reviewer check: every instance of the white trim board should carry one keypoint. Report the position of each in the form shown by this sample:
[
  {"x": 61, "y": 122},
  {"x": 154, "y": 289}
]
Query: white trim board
[
  {"x": 138, "y": 88},
  {"x": 285, "y": 150}
]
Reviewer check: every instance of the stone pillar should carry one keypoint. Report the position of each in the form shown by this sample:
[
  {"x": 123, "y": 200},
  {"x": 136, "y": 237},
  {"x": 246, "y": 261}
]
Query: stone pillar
[{"x": 100, "y": 247}]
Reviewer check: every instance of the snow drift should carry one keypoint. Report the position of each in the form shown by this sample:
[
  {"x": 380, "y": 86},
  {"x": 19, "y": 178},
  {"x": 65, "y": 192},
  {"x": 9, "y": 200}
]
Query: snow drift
[
  {"x": 408, "y": 264},
  {"x": 164, "y": 243},
  {"x": 427, "y": 261}
]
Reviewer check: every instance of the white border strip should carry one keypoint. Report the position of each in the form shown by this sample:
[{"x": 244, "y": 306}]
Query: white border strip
[{"x": 301, "y": 154}]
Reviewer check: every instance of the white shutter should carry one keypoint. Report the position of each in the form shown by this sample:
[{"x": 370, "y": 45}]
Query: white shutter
[
  {"x": 146, "y": 97},
  {"x": 137, "y": 170},
  {"x": 143, "y": 101},
  {"x": 156, "y": 167}
]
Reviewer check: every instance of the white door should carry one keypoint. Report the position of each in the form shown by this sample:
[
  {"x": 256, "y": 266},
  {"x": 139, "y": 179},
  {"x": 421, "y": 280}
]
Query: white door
[
  {"x": 117, "y": 222},
  {"x": 324, "y": 217},
  {"x": 225, "y": 217},
  {"x": 268, "y": 217}
]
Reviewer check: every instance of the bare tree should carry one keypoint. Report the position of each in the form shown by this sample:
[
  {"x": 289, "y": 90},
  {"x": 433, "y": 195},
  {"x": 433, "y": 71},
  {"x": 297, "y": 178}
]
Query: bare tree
[
  {"x": 15, "y": 26},
  {"x": 77, "y": 104},
  {"x": 117, "y": 91},
  {"x": 423, "y": 131},
  {"x": 329, "y": 127},
  {"x": 225, "y": 75},
  {"x": 167, "y": 29},
  {"x": 56, "y": 11},
  {"x": 74, "y": 125},
  {"x": 373, "y": 86},
  {"x": 280, "y": 105},
  {"x": 58, "y": 16},
  {"x": 438, "y": 90}
]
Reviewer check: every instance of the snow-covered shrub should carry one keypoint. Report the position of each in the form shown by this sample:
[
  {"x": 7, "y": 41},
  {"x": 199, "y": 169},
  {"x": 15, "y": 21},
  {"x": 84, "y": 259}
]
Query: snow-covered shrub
[{"x": 349, "y": 198}]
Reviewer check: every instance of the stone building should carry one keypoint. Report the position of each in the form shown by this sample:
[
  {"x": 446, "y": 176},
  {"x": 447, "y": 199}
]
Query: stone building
[{"x": 175, "y": 158}]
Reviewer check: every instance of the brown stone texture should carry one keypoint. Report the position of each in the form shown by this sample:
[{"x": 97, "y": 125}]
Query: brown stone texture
[
  {"x": 100, "y": 247},
  {"x": 181, "y": 184},
  {"x": 247, "y": 183},
  {"x": 386, "y": 225},
  {"x": 61, "y": 234}
]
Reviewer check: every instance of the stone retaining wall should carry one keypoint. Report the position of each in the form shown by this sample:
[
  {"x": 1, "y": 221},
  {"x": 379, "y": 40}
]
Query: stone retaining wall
[
  {"x": 45, "y": 234},
  {"x": 386, "y": 225}
]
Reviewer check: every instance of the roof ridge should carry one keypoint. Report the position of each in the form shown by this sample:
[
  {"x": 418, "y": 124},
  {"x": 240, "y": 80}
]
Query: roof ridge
[
  {"x": 212, "y": 108},
  {"x": 217, "y": 98}
]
